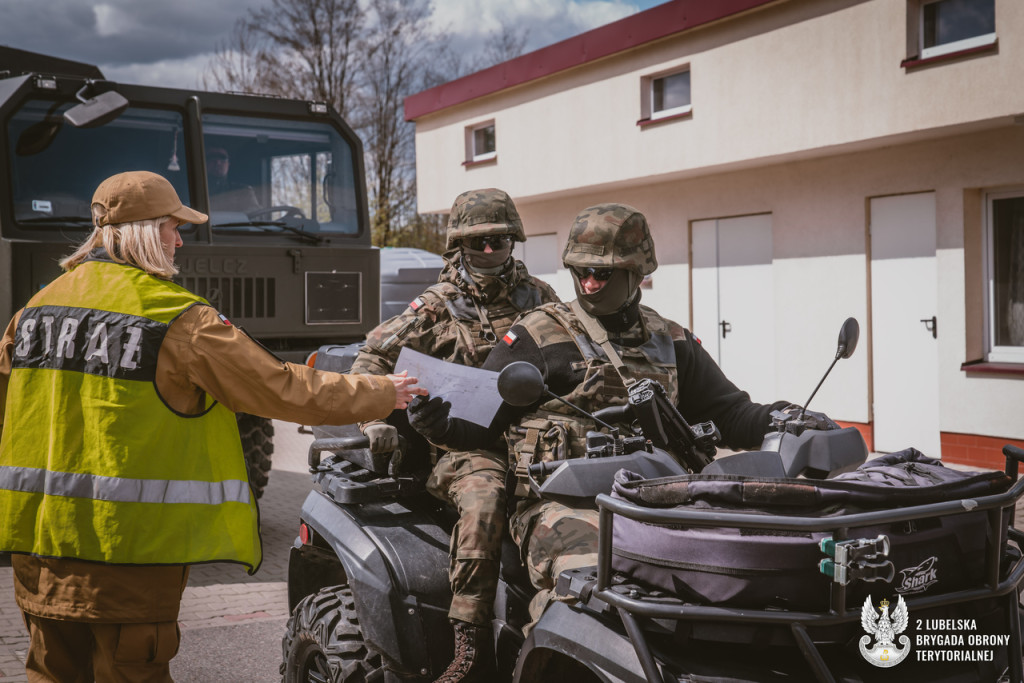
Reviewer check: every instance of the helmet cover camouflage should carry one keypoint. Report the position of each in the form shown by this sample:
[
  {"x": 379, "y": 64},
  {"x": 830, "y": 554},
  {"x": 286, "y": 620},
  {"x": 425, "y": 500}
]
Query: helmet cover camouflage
[
  {"x": 478, "y": 213},
  {"x": 611, "y": 236}
]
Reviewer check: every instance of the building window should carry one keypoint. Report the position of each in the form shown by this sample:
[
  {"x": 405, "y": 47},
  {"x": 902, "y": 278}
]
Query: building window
[
  {"x": 667, "y": 95},
  {"x": 947, "y": 26},
  {"x": 480, "y": 143},
  {"x": 1004, "y": 232},
  {"x": 542, "y": 254}
]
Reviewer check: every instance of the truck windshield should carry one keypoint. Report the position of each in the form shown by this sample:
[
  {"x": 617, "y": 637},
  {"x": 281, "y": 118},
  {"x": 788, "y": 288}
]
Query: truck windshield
[
  {"x": 266, "y": 174},
  {"x": 55, "y": 167}
]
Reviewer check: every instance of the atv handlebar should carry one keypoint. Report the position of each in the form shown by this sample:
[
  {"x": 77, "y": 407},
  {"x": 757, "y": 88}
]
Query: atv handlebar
[
  {"x": 662, "y": 423},
  {"x": 338, "y": 443}
]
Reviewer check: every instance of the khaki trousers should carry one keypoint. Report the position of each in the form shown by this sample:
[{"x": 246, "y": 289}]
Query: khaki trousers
[
  {"x": 475, "y": 484},
  {"x": 82, "y": 652}
]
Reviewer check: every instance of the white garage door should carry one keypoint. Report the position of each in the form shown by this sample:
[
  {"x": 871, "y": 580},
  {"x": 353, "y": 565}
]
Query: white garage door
[
  {"x": 732, "y": 299},
  {"x": 903, "y": 323}
]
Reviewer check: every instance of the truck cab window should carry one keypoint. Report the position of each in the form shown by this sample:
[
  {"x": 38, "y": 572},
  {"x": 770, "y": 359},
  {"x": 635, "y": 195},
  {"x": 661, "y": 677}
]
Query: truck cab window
[
  {"x": 55, "y": 167},
  {"x": 269, "y": 175}
]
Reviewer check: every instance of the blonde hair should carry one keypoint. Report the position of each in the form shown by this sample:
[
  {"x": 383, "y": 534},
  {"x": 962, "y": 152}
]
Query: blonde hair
[{"x": 137, "y": 244}]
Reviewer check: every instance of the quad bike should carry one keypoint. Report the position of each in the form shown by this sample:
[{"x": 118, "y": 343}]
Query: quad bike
[{"x": 369, "y": 592}]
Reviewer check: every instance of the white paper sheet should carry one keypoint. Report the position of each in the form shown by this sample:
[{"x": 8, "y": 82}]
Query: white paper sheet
[{"x": 472, "y": 392}]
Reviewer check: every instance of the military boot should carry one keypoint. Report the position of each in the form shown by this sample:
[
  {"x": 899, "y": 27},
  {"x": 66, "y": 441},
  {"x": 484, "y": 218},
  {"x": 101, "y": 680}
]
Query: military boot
[{"x": 474, "y": 655}]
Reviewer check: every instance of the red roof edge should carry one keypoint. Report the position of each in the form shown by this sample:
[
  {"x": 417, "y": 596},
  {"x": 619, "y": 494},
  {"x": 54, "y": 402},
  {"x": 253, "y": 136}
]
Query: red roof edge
[{"x": 643, "y": 27}]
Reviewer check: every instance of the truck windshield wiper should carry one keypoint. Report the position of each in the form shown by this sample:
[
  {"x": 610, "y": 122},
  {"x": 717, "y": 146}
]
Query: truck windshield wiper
[
  {"x": 316, "y": 238},
  {"x": 84, "y": 220}
]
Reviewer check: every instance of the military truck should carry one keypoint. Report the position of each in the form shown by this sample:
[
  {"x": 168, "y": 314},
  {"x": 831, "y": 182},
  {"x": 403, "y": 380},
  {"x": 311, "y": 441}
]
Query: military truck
[{"x": 286, "y": 254}]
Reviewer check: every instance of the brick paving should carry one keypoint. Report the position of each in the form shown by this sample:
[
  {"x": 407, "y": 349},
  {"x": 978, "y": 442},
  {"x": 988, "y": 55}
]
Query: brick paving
[{"x": 217, "y": 594}]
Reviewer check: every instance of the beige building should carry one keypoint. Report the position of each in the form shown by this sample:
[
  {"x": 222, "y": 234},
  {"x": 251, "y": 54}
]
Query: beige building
[{"x": 800, "y": 162}]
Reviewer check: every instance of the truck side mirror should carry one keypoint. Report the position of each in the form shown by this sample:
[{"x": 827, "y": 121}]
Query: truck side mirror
[
  {"x": 37, "y": 137},
  {"x": 95, "y": 111}
]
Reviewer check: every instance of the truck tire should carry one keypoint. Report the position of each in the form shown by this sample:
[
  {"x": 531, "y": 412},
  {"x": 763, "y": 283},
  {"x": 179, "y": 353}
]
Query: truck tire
[
  {"x": 258, "y": 446},
  {"x": 324, "y": 642}
]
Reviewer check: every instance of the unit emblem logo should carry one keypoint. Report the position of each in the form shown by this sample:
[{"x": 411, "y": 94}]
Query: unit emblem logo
[{"x": 885, "y": 629}]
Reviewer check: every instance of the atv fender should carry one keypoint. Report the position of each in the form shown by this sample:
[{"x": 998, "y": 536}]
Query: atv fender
[
  {"x": 577, "y": 635},
  {"x": 396, "y": 560}
]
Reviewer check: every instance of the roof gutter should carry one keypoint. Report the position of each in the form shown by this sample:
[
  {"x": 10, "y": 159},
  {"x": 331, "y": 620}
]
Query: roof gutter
[{"x": 625, "y": 34}]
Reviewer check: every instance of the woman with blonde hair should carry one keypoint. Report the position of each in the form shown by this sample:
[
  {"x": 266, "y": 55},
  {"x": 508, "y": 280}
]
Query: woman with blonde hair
[{"x": 120, "y": 459}]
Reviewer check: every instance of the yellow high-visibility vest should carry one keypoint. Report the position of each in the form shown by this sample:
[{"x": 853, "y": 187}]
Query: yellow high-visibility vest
[{"x": 93, "y": 464}]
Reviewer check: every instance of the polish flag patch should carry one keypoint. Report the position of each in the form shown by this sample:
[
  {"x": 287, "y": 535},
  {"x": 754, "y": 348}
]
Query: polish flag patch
[
  {"x": 416, "y": 303},
  {"x": 510, "y": 338},
  {"x": 698, "y": 339},
  {"x": 224, "y": 319}
]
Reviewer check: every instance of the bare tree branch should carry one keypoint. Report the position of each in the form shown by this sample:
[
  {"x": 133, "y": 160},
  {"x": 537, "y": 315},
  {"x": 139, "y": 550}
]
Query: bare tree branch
[{"x": 364, "y": 57}]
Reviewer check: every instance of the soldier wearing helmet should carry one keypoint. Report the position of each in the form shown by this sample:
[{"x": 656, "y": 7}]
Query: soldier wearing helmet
[
  {"x": 481, "y": 290},
  {"x": 589, "y": 351}
]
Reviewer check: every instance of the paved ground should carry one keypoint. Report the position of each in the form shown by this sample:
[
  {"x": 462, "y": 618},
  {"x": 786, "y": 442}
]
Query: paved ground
[{"x": 231, "y": 622}]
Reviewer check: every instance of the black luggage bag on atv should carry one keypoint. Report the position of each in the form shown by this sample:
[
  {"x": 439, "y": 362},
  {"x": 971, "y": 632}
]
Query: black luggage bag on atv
[
  {"x": 765, "y": 580},
  {"x": 778, "y": 568}
]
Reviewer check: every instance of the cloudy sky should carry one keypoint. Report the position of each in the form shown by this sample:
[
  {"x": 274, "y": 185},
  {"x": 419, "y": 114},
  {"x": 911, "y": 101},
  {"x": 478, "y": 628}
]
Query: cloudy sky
[{"x": 170, "y": 42}]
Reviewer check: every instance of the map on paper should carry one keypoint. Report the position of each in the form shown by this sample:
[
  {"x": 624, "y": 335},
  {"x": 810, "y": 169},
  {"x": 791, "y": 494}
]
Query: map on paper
[{"x": 472, "y": 392}]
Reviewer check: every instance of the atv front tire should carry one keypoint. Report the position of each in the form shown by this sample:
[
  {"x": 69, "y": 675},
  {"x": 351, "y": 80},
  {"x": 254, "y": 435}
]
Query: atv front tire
[
  {"x": 324, "y": 643},
  {"x": 258, "y": 446}
]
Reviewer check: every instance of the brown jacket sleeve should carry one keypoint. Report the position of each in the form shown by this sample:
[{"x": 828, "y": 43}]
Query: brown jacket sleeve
[
  {"x": 203, "y": 353},
  {"x": 6, "y": 361}
]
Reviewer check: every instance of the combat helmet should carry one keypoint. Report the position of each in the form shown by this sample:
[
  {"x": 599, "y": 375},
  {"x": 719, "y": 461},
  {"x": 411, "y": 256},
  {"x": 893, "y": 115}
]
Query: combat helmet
[
  {"x": 611, "y": 236},
  {"x": 478, "y": 213}
]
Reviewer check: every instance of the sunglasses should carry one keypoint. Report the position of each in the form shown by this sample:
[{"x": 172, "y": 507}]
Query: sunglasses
[
  {"x": 599, "y": 274},
  {"x": 495, "y": 242}
]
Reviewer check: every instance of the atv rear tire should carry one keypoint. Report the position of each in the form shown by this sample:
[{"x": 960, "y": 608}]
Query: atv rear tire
[
  {"x": 323, "y": 641},
  {"x": 258, "y": 446}
]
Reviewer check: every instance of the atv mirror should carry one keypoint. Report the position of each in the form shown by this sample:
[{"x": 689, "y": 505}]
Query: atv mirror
[
  {"x": 848, "y": 336},
  {"x": 96, "y": 111},
  {"x": 520, "y": 383}
]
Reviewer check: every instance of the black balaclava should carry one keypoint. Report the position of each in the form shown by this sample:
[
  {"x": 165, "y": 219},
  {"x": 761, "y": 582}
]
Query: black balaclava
[
  {"x": 488, "y": 264},
  {"x": 618, "y": 292}
]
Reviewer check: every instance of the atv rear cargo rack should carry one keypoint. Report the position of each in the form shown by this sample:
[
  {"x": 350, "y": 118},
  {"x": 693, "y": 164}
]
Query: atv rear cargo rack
[{"x": 640, "y": 613}]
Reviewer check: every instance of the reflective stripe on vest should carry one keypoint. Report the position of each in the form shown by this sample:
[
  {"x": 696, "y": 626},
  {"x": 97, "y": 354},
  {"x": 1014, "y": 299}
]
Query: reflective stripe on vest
[
  {"x": 93, "y": 463},
  {"x": 120, "y": 489}
]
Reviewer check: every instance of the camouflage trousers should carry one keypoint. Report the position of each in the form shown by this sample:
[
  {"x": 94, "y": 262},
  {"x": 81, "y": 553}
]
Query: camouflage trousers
[
  {"x": 474, "y": 483},
  {"x": 552, "y": 538}
]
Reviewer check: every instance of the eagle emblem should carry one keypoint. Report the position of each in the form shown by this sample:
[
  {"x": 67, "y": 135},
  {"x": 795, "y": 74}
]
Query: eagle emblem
[{"x": 885, "y": 629}]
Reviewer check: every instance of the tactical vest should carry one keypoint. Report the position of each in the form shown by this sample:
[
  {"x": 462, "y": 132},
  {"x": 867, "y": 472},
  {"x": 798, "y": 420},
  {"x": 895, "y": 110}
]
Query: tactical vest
[
  {"x": 464, "y": 331},
  {"x": 476, "y": 328},
  {"x": 93, "y": 464},
  {"x": 555, "y": 431}
]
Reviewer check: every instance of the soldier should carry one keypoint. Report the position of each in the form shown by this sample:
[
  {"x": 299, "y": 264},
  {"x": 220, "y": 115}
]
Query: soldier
[
  {"x": 588, "y": 351},
  {"x": 479, "y": 293}
]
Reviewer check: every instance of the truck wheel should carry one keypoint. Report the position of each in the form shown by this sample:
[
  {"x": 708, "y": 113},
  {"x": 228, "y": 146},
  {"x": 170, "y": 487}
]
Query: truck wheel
[
  {"x": 324, "y": 643},
  {"x": 258, "y": 446}
]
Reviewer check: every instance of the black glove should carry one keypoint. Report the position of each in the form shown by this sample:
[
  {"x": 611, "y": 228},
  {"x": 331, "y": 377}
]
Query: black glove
[
  {"x": 813, "y": 420},
  {"x": 383, "y": 437},
  {"x": 819, "y": 421},
  {"x": 431, "y": 417}
]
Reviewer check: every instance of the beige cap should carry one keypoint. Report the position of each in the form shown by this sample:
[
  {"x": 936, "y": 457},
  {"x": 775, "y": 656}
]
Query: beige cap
[{"x": 138, "y": 196}]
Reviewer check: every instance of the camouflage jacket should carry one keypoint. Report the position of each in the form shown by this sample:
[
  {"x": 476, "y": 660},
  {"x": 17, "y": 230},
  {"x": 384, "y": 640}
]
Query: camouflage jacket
[
  {"x": 459, "y": 319},
  {"x": 552, "y": 339}
]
